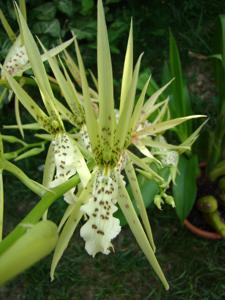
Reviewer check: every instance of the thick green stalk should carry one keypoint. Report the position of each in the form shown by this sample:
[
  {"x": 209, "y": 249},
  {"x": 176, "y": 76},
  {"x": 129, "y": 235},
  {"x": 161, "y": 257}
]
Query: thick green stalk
[
  {"x": 28, "y": 81},
  {"x": 1, "y": 204},
  {"x": 37, "y": 212},
  {"x": 31, "y": 184}
]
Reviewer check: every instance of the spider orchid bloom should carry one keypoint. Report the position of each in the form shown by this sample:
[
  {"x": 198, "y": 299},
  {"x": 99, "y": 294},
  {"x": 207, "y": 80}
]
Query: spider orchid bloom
[
  {"x": 109, "y": 139},
  {"x": 64, "y": 154},
  {"x": 17, "y": 60}
]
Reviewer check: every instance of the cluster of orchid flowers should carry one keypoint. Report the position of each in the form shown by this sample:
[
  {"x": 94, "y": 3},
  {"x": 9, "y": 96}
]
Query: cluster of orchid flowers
[{"x": 106, "y": 146}]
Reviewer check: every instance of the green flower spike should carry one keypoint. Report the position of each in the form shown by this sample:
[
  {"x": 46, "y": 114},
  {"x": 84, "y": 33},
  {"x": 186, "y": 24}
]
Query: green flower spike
[{"x": 64, "y": 153}]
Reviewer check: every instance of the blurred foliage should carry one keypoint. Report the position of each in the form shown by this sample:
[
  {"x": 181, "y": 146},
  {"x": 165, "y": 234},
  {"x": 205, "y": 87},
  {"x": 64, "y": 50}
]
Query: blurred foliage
[{"x": 192, "y": 23}]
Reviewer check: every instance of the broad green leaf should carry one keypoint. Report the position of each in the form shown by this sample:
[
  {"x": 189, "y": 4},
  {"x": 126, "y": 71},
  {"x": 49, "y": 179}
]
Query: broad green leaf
[
  {"x": 185, "y": 187},
  {"x": 36, "y": 243},
  {"x": 180, "y": 102},
  {"x": 137, "y": 230}
]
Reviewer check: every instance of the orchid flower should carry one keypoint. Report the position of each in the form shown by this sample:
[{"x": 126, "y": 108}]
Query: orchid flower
[
  {"x": 64, "y": 154},
  {"x": 110, "y": 137}
]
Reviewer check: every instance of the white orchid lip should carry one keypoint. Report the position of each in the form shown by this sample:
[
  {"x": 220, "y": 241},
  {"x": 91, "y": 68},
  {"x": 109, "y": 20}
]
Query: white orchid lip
[{"x": 101, "y": 226}]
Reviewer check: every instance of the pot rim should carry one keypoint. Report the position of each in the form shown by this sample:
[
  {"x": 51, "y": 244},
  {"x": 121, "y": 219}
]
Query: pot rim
[{"x": 202, "y": 233}]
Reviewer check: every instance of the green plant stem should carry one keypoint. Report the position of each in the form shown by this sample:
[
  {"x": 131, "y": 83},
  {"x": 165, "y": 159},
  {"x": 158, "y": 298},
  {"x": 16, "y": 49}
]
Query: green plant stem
[
  {"x": 37, "y": 212},
  {"x": 1, "y": 204},
  {"x": 31, "y": 184},
  {"x": 29, "y": 82}
]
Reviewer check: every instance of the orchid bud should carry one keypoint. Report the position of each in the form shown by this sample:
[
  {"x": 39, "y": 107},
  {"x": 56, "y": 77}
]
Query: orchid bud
[{"x": 158, "y": 201}]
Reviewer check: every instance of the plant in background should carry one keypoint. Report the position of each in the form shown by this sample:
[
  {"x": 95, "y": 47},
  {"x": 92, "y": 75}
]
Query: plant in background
[
  {"x": 186, "y": 190},
  {"x": 104, "y": 150}
]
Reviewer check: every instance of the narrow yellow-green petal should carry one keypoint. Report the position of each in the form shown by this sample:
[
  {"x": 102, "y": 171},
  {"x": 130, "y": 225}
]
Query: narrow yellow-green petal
[
  {"x": 140, "y": 202},
  {"x": 132, "y": 219},
  {"x": 127, "y": 69},
  {"x": 147, "y": 108},
  {"x": 11, "y": 34},
  {"x": 38, "y": 68},
  {"x": 163, "y": 126},
  {"x": 91, "y": 121},
  {"x": 138, "y": 107},
  {"x": 22, "y": 6},
  {"x": 70, "y": 226},
  {"x": 124, "y": 119},
  {"x": 28, "y": 102},
  {"x": 18, "y": 118},
  {"x": 105, "y": 85}
]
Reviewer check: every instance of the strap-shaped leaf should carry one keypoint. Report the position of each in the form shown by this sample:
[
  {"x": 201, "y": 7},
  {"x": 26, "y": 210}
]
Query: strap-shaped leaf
[
  {"x": 132, "y": 219},
  {"x": 139, "y": 202}
]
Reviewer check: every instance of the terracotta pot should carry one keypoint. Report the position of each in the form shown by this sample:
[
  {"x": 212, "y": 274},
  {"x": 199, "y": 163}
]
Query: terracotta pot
[{"x": 202, "y": 233}]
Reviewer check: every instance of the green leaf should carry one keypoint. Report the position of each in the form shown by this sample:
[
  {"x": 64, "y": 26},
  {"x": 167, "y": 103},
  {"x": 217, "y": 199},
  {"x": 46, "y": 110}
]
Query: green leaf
[
  {"x": 66, "y": 7},
  {"x": 45, "y": 12},
  {"x": 1, "y": 204},
  {"x": 180, "y": 102},
  {"x": 185, "y": 188},
  {"x": 51, "y": 27},
  {"x": 87, "y": 5}
]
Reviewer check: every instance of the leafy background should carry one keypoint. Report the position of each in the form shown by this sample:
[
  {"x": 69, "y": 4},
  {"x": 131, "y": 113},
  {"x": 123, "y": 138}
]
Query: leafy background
[{"x": 194, "y": 267}]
